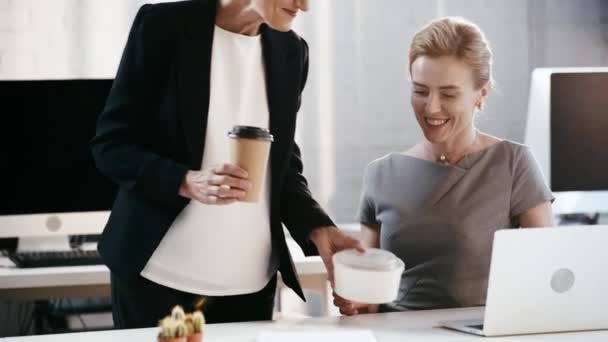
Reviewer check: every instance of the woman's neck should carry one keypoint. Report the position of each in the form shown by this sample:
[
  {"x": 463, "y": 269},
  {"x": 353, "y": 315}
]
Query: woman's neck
[
  {"x": 238, "y": 16},
  {"x": 451, "y": 152}
]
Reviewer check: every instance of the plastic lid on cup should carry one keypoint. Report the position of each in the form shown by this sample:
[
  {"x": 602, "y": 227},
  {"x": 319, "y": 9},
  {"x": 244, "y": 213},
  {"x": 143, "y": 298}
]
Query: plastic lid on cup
[
  {"x": 373, "y": 259},
  {"x": 250, "y": 132}
]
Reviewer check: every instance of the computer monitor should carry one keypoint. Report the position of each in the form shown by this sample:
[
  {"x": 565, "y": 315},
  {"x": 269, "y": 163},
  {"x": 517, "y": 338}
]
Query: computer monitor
[
  {"x": 49, "y": 185},
  {"x": 567, "y": 130}
]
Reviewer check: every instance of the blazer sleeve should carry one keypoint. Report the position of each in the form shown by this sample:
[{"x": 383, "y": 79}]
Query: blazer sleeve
[
  {"x": 118, "y": 151},
  {"x": 301, "y": 214}
]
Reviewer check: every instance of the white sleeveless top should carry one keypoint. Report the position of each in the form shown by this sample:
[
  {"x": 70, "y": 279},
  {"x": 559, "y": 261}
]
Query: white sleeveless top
[{"x": 223, "y": 250}]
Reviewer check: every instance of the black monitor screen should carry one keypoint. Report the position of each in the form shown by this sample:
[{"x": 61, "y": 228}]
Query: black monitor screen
[
  {"x": 579, "y": 131},
  {"x": 45, "y": 163}
]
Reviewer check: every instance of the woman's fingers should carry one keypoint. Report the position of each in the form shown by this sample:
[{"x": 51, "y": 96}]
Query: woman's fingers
[
  {"x": 224, "y": 192},
  {"x": 232, "y": 182}
]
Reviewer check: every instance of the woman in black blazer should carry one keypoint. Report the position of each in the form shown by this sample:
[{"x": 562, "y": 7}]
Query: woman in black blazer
[{"x": 150, "y": 140}]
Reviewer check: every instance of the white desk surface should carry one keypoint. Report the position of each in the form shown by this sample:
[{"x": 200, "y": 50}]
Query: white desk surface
[
  {"x": 419, "y": 326},
  {"x": 16, "y": 278},
  {"x": 94, "y": 281}
]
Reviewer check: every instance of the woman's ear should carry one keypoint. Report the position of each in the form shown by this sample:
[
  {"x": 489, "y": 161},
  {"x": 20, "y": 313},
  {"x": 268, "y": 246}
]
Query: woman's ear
[{"x": 485, "y": 90}]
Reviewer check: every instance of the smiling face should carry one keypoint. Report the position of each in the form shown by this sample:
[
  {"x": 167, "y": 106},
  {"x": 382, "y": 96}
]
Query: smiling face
[
  {"x": 444, "y": 98},
  {"x": 279, "y": 14}
]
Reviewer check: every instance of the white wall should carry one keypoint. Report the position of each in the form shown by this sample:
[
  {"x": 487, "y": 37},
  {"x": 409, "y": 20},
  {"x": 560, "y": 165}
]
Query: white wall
[{"x": 62, "y": 39}]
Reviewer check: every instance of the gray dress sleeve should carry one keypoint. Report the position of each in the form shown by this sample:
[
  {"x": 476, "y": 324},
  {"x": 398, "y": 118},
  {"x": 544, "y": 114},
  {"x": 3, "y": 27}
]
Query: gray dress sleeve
[
  {"x": 529, "y": 186},
  {"x": 367, "y": 208}
]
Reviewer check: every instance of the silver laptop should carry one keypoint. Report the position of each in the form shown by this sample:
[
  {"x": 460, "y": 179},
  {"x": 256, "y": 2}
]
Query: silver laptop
[{"x": 545, "y": 280}]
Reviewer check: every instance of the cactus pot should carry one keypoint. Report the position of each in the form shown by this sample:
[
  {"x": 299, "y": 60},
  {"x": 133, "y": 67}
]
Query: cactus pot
[
  {"x": 198, "y": 337},
  {"x": 174, "y": 339}
]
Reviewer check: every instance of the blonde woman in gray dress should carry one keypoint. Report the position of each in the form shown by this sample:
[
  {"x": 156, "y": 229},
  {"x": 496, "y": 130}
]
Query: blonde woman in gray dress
[{"x": 438, "y": 204}]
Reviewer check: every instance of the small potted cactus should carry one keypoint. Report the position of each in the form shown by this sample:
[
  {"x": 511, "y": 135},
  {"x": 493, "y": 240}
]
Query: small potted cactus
[
  {"x": 196, "y": 321},
  {"x": 178, "y": 313},
  {"x": 172, "y": 330},
  {"x": 182, "y": 327}
]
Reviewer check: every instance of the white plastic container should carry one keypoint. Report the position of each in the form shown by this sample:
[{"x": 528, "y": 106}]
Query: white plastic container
[{"x": 372, "y": 277}]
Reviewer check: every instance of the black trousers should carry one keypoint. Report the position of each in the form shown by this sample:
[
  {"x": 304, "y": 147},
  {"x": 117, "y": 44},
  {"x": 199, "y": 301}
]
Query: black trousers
[{"x": 142, "y": 303}]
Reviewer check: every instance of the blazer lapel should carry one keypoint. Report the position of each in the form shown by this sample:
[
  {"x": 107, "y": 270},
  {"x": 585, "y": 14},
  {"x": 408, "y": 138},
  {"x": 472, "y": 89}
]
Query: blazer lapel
[
  {"x": 282, "y": 91},
  {"x": 194, "y": 73}
]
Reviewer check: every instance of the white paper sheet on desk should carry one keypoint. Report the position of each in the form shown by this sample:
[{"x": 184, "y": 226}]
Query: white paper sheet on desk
[{"x": 317, "y": 336}]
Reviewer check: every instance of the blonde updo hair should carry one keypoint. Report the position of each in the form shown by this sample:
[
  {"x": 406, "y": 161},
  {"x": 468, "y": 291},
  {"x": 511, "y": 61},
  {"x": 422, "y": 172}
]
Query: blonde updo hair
[{"x": 455, "y": 37}]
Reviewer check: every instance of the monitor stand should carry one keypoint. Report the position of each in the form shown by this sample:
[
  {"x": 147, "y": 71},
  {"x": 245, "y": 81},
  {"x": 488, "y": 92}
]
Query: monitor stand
[
  {"x": 578, "y": 219},
  {"x": 43, "y": 243}
]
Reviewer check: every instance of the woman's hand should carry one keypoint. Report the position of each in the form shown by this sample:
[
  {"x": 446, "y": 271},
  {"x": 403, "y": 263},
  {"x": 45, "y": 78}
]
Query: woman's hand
[
  {"x": 218, "y": 185},
  {"x": 330, "y": 240},
  {"x": 349, "y": 308}
]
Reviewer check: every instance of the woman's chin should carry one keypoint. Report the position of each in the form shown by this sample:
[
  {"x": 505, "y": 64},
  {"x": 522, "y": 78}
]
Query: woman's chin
[
  {"x": 434, "y": 138},
  {"x": 436, "y": 135}
]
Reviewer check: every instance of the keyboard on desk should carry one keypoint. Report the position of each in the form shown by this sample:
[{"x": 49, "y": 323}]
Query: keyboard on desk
[{"x": 75, "y": 257}]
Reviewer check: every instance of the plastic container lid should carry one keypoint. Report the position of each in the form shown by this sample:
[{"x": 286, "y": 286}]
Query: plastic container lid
[{"x": 373, "y": 259}]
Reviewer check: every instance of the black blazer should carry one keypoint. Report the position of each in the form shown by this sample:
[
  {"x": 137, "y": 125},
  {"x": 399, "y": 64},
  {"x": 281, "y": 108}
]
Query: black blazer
[{"x": 152, "y": 131}]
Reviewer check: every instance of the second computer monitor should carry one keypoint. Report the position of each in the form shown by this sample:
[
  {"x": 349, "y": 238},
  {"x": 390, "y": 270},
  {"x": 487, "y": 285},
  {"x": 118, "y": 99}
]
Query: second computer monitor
[{"x": 567, "y": 130}]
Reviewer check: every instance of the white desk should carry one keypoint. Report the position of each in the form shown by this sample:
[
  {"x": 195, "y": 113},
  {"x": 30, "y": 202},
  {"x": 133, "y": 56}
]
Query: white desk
[
  {"x": 417, "y": 326},
  {"x": 94, "y": 281}
]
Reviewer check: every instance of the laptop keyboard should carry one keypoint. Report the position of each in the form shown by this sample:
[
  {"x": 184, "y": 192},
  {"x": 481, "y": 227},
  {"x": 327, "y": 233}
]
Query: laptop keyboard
[{"x": 74, "y": 257}]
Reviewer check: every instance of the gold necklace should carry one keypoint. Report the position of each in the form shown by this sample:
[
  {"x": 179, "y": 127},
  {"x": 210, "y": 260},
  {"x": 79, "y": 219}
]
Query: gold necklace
[{"x": 443, "y": 159}]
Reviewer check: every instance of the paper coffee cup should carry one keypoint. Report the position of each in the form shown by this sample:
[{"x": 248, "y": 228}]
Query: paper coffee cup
[
  {"x": 250, "y": 149},
  {"x": 372, "y": 277}
]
